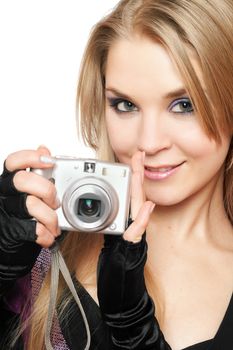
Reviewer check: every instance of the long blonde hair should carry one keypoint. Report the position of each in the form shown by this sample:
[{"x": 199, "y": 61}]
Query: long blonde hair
[{"x": 203, "y": 27}]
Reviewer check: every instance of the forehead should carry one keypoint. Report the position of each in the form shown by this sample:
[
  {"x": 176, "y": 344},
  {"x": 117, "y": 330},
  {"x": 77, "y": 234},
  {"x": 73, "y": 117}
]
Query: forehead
[
  {"x": 140, "y": 64},
  {"x": 140, "y": 60}
]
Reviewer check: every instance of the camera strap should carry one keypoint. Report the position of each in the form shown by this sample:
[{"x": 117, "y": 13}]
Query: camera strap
[{"x": 58, "y": 265}]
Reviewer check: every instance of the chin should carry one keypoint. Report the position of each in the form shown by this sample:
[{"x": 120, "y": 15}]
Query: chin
[
  {"x": 164, "y": 203},
  {"x": 165, "y": 199}
]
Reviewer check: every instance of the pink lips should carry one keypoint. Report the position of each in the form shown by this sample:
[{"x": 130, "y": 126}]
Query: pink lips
[{"x": 160, "y": 173}]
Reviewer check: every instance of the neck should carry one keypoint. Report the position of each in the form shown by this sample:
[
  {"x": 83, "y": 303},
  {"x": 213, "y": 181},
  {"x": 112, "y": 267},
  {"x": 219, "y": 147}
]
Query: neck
[{"x": 201, "y": 215}]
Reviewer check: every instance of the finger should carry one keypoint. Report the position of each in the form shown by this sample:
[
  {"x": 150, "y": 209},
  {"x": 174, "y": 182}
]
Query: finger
[
  {"x": 138, "y": 227},
  {"x": 44, "y": 150},
  {"x": 37, "y": 186},
  {"x": 14, "y": 231},
  {"x": 137, "y": 191},
  {"x": 43, "y": 214},
  {"x": 137, "y": 163},
  {"x": 27, "y": 159},
  {"x": 44, "y": 238}
]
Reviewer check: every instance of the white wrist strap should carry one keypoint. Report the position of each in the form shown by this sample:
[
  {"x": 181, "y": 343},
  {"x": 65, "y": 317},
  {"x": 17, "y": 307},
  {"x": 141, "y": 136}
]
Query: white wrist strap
[{"x": 58, "y": 264}]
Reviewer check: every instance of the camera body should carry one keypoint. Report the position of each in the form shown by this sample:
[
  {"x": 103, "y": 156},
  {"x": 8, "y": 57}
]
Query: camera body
[{"x": 94, "y": 195}]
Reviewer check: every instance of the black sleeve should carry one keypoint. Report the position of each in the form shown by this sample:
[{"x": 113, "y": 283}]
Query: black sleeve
[
  {"x": 17, "y": 252},
  {"x": 125, "y": 304}
]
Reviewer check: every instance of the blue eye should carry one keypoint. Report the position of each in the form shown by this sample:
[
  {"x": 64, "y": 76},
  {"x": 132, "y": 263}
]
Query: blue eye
[
  {"x": 121, "y": 105},
  {"x": 181, "y": 106}
]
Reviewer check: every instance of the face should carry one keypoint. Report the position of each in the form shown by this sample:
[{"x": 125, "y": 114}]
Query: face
[{"x": 148, "y": 109}]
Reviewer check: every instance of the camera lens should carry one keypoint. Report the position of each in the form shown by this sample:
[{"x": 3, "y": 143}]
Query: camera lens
[
  {"x": 89, "y": 207},
  {"x": 90, "y": 204}
]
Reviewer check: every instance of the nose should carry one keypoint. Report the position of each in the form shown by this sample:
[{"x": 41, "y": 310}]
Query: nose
[{"x": 154, "y": 135}]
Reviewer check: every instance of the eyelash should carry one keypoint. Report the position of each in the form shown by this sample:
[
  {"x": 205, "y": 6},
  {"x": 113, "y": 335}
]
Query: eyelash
[
  {"x": 180, "y": 101},
  {"x": 114, "y": 103}
]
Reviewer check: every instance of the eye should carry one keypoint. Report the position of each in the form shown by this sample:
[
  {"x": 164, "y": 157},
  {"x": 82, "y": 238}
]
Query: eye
[
  {"x": 181, "y": 106},
  {"x": 121, "y": 105}
]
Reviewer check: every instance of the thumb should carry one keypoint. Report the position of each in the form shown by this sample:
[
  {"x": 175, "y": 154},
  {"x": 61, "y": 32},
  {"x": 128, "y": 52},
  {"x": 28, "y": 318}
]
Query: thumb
[
  {"x": 138, "y": 227},
  {"x": 43, "y": 150}
]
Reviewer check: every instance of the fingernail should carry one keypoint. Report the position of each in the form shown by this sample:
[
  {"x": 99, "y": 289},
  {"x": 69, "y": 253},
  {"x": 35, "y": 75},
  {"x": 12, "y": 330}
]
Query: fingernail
[{"x": 47, "y": 160}]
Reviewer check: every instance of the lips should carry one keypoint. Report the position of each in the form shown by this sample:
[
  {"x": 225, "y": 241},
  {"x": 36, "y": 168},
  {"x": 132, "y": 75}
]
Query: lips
[{"x": 161, "y": 172}]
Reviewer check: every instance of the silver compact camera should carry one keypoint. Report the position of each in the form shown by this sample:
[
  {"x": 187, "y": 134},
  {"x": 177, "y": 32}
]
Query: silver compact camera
[{"x": 94, "y": 195}]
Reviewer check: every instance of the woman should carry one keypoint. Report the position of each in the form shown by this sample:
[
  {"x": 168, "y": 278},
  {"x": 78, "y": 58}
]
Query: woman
[{"x": 159, "y": 73}]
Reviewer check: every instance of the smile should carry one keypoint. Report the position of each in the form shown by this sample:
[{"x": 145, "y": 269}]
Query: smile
[{"x": 160, "y": 173}]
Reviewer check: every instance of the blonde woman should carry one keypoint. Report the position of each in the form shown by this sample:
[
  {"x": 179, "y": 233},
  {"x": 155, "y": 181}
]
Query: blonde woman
[{"x": 155, "y": 92}]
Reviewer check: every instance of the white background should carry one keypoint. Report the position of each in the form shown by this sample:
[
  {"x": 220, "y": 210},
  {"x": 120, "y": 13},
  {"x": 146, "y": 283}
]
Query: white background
[{"x": 41, "y": 45}]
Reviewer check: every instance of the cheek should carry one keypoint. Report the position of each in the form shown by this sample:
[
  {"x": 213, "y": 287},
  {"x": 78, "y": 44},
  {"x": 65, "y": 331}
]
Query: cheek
[
  {"x": 199, "y": 148},
  {"x": 204, "y": 153},
  {"x": 196, "y": 144}
]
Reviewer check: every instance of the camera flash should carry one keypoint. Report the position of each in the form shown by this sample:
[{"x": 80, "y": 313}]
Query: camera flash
[
  {"x": 116, "y": 171},
  {"x": 89, "y": 167}
]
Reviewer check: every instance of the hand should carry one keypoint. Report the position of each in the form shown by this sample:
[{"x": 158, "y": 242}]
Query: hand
[
  {"x": 140, "y": 208},
  {"x": 126, "y": 307},
  {"x": 39, "y": 193}
]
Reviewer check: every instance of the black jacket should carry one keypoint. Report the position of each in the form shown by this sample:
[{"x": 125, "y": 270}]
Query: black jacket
[{"x": 125, "y": 319}]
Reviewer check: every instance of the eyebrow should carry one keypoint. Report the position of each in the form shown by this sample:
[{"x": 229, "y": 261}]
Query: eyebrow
[
  {"x": 171, "y": 94},
  {"x": 118, "y": 93},
  {"x": 176, "y": 93}
]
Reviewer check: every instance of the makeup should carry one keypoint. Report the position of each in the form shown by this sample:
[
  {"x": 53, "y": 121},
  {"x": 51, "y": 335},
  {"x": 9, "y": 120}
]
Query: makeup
[{"x": 161, "y": 173}]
